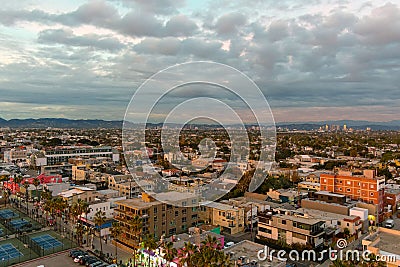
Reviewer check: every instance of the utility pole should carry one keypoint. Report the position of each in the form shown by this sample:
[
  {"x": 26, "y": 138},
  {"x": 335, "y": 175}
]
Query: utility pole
[{"x": 251, "y": 221}]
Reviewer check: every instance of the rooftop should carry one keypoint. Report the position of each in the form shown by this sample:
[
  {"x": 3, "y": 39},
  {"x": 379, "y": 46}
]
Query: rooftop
[
  {"x": 249, "y": 251},
  {"x": 309, "y": 221}
]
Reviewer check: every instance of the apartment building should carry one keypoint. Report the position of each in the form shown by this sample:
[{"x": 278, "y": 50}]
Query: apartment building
[
  {"x": 291, "y": 229},
  {"x": 127, "y": 186},
  {"x": 58, "y": 155},
  {"x": 367, "y": 187},
  {"x": 15, "y": 155},
  {"x": 79, "y": 192},
  {"x": 230, "y": 218},
  {"x": 158, "y": 218}
]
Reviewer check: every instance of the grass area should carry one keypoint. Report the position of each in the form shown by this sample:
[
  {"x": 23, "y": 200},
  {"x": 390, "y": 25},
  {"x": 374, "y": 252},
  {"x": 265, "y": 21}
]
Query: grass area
[{"x": 27, "y": 253}]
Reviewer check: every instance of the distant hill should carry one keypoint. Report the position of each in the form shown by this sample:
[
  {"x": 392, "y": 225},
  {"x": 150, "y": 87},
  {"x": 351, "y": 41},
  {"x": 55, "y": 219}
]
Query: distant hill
[
  {"x": 59, "y": 123},
  {"x": 93, "y": 124}
]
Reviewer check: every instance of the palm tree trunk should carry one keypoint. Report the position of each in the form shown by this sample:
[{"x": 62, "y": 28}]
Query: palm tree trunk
[{"x": 101, "y": 245}]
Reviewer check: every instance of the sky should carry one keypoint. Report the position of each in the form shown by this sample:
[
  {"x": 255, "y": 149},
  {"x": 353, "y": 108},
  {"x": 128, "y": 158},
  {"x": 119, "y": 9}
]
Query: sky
[{"x": 313, "y": 60}]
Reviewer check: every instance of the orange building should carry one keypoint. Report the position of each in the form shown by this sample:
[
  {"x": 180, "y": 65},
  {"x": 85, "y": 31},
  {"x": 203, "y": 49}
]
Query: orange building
[{"x": 367, "y": 188}]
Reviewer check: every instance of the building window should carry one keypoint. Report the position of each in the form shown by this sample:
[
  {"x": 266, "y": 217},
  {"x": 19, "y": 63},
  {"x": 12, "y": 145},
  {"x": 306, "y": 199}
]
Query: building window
[
  {"x": 371, "y": 194},
  {"x": 264, "y": 230},
  {"x": 283, "y": 222},
  {"x": 348, "y": 189},
  {"x": 176, "y": 213}
]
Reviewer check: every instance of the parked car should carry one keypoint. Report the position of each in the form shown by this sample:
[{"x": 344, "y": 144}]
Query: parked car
[
  {"x": 389, "y": 223},
  {"x": 78, "y": 258},
  {"x": 90, "y": 261},
  {"x": 95, "y": 264},
  {"x": 73, "y": 251}
]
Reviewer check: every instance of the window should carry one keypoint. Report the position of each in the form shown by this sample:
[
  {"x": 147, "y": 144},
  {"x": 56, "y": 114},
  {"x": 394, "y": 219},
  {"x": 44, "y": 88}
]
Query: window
[
  {"x": 155, "y": 209},
  {"x": 348, "y": 182},
  {"x": 184, "y": 212},
  {"x": 183, "y": 219},
  {"x": 264, "y": 230},
  {"x": 371, "y": 194},
  {"x": 176, "y": 213},
  {"x": 348, "y": 189},
  {"x": 283, "y": 222}
]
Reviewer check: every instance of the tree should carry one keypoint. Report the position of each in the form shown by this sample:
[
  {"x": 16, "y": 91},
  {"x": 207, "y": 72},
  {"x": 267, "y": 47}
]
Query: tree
[
  {"x": 116, "y": 231},
  {"x": 346, "y": 232},
  {"x": 6, "y": 194},
  {"x": 17, "y": 180},
  {"x": 186, "y": 254},
  {"x": 151, "y": 244},
  {"x": 99, "y": 220},
  {"x": 36, "y": 183},
  {"x": 26, "y": 186},
  {"x": 170, "y": 252},
  {"x": 135, "y": 230}
]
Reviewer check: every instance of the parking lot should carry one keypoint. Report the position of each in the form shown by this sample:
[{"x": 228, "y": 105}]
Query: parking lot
[{"x": 56, "y": 260}]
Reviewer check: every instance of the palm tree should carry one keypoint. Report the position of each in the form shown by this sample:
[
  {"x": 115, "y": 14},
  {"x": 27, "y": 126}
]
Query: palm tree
[
  {"x": 6, "y": 194},
  {"x": 186, "y": 254},
  {"x": 170, "y": 252},
  {"x": 26, "y": 186},
  {"x": 151, "y": 244},
  {"x": 135, "y": 230},
  {"x": 116, "y": 231},
  {"x": 17, "y": 180},
  {"x": 99, "y": 220},
  {"x": 59, "y": 207},
  {"x": 79, "y": 233},
  {"x": 36, "y": 183}
]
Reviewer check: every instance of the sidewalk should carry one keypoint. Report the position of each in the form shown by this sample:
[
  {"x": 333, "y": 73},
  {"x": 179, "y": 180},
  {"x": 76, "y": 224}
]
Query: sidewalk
[{"x": 110, "y": 249}]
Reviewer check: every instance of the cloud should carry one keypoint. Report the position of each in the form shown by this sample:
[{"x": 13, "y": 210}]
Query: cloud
[
  {"x": 321, "y": 54},
  {"x": 67, "y": 37},
  {"x": 230, "y": 23}
]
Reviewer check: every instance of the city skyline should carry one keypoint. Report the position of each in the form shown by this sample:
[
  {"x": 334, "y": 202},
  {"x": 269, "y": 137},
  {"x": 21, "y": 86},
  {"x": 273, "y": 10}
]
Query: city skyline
[{"x": 313, "y": 61}]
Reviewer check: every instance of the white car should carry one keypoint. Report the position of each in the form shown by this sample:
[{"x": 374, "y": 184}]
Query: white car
[{"x": 78, "y": 258}]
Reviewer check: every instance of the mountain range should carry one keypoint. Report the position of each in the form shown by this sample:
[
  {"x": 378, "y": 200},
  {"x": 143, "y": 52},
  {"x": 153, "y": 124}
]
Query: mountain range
[{"x": 83, "y": 124}]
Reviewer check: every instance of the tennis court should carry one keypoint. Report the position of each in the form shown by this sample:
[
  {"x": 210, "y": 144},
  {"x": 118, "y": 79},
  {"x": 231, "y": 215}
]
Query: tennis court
[
  {"x": 19, "y": 223},
  {"x": 8, "y": 251},
  {"x": 46, "y": 241},
  {"x": 7, "y": 214}
]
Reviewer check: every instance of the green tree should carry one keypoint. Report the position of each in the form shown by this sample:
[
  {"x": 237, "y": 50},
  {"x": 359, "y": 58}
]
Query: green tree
[
  {"x": 36, "y": 183},
  {"x": 99, "y": 220},
  {"x": 116, "y": 231}
]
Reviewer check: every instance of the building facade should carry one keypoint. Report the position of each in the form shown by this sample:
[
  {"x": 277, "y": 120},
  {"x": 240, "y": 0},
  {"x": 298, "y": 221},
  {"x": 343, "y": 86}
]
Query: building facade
[
  {"x": 367, "y": 187},
  {"x": 158, "y": 218}
]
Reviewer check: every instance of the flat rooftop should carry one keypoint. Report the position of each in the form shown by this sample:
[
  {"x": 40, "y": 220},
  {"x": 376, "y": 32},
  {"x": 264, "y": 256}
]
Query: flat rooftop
[
  {"x": 220, "y": 206},
  {"x": 309, "y": 221},
  {"x": 389, "y": 242},
  {"x": 137, "y": 203},
  {"x": 323, "y": 215},
  {"x": 249, "y": 250}
]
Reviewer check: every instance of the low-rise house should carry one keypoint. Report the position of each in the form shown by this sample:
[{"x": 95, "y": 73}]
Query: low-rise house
[{"x": 291, "y": 229}]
